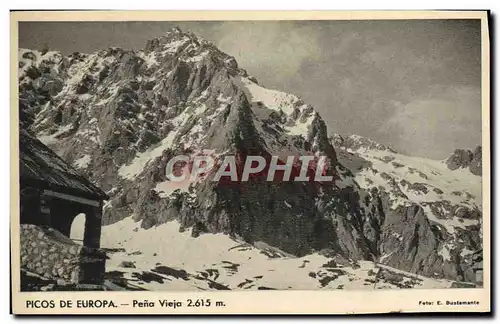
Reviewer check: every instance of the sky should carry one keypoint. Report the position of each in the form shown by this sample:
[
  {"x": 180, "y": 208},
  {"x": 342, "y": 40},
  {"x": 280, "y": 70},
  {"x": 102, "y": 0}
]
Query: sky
[{"x": 414, "y": 85}]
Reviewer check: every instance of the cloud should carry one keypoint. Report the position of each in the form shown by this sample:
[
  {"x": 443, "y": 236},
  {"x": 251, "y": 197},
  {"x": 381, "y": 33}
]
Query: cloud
[
  {"x": 437, "y": 124},
  {"x": 271, "y": 50}
]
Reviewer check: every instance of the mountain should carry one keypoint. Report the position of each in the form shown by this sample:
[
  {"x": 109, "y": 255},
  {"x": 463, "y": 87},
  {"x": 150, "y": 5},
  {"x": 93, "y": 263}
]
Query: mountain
[
  {"x": 120, "y": 115},
  {"x": 450, "y": 200}
]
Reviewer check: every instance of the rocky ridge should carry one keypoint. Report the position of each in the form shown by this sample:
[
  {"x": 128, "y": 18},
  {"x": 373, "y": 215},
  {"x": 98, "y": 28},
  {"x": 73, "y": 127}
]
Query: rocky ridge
[
  {"x": 449, "y": 201},
  {"x": 464, "y": 158}
]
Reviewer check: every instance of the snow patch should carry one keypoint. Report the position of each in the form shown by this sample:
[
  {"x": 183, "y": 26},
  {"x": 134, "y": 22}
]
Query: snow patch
[
  {"x": 149, "y": 59},
  {"x": 53, "y": 138},
  {"x": 141, "y": 160},
  {"x": 173, "y": 47},
  {"x": 272, "y": 99},
  {"x": 385, "y": 256},
  {"x": 83, "y": 162},
  {"x": 300, "y": 128},
  {"x": 445, "y": 253},
  {"x": 197, "y": 58}
]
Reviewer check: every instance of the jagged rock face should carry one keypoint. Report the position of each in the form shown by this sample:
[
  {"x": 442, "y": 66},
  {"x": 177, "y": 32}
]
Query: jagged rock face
[
  {"x": 431, "y": 216},
  {"x": 466, "y": 159},
  {"x": 418, "y": 248},
  {"x": 459, "y": 159},
  {"x": 476, "y": 165},
  {"x": 119, "y": 116},
  {"x": 355, "y": 142},
  {"x": 337, "y": 140}
]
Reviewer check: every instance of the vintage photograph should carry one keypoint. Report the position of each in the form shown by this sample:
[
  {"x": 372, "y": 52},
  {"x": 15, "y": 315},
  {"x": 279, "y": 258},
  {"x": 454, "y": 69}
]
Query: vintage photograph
[{"x": 250, "y": 155}]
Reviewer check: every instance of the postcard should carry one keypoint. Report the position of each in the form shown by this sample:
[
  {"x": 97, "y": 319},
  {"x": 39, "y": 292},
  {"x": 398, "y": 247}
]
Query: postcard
[{"x": 250, "y": 162}]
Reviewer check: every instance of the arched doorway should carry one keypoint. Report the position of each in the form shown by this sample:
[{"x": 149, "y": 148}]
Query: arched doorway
[{"x": 77, "y": 231}]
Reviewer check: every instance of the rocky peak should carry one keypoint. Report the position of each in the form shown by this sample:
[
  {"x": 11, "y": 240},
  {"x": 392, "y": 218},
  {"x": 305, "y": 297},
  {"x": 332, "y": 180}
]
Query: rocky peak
[
  {"x": 188, "y": 47},
  {"x": 465, "y": 158},
  {"x": 356, "y": 142},
  {"x": 477, "y": 161}
]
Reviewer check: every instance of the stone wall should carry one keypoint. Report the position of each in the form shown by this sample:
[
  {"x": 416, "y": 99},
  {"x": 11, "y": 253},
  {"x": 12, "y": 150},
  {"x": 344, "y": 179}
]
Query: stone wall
[{"x": 52, "y": 255}]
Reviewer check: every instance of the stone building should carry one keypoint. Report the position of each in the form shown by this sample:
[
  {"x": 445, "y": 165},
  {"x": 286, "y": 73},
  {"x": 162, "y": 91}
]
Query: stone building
[{"x": 52, "y": 194}]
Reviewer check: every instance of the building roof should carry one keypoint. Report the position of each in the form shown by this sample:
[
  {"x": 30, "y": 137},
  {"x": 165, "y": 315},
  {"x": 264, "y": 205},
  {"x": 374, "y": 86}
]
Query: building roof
[{"x": 41, "y": 167}]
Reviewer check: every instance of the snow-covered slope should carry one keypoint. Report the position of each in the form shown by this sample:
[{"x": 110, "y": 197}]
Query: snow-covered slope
[
  {"x": 451, "y": 200},
  {"x": 178, "y": 261},
  {"x": 420, "y": 180}
]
